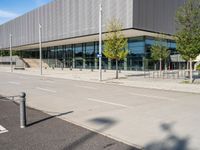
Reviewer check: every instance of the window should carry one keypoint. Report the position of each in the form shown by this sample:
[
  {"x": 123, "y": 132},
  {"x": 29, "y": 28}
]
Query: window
[
  {"x": 136, "y": 47},
  {"x": 89, "y": 52},
  {"x": 78, "y": 50}
]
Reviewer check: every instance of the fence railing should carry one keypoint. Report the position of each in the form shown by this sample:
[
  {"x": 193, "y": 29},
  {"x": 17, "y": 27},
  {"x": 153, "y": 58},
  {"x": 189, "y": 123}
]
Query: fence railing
[{"x": 171, "y": 74}]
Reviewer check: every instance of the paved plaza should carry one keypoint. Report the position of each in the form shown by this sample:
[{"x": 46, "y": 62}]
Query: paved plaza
[{"x": 141, "y": 117}]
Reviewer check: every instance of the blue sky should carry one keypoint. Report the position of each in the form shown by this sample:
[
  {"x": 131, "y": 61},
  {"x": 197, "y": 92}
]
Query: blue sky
[{"x": 10, "y": 9}]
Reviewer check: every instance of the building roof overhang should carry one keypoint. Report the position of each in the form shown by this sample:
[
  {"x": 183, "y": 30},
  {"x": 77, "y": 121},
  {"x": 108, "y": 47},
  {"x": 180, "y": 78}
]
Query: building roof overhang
[{"x": 88, "y": 38}]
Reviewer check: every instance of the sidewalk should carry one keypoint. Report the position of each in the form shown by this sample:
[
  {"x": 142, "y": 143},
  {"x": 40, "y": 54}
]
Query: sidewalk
[
  {"x": 162, "y": 84},
  {"x": 126, "y": 78}
]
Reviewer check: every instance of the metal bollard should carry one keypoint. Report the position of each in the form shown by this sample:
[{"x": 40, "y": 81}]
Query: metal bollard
[{"x": 23, "y": 110}]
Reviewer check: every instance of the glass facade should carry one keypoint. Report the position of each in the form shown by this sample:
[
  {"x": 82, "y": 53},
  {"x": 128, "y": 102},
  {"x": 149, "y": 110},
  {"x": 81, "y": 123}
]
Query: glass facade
[
  {"x": 136, "y": 54},
  {"x": 84, "y": 55}
]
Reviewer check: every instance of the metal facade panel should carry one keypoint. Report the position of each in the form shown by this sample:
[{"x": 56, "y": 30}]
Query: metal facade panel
[
  {"x": 62, "y": 19},
  {"x": 155, "y": 15}
]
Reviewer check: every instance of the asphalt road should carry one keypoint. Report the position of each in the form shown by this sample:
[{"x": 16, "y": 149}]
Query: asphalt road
[
  {"x": 46, "y": 132},
  {"x": 143, "y": 117}
]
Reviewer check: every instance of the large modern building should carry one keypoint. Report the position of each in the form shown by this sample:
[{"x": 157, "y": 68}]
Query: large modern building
[{"x": 70, "y": 31}]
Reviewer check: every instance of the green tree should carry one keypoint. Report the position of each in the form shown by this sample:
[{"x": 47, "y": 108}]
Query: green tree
[
  {"x": 159, "y": 51},
  {"x": 188, "y": 33},
  {"x": 115, "y": 45},
  {"x": 187, "y": 59},
  {"x": 5, "y": 53}
]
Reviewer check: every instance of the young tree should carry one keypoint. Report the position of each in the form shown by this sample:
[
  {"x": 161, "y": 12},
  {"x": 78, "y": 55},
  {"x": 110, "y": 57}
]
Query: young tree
[
  {"x": 188, "y": 33},
  {"x": 187, "y": 59},
  {"x": 115, "y": 45},
  {"x": 160, "y": 52}
]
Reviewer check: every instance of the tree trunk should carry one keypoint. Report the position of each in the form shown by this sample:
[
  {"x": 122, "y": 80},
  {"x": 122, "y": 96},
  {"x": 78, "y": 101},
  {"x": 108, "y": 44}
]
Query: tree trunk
[
  {"x": 191, "y": 79},
  {"x": 160, "y": 66},
  {"x": 154, "y": 66},
  {"x": 187, "y": 65},
  {"x": 117, "y": 69}
]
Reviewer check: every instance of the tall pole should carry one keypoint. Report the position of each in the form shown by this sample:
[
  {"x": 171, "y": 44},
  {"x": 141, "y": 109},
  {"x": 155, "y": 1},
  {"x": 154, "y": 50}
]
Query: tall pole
[
  {"x": 1, "y": 55},
  {"x": 40, "y": 47},
  {"x": 100, "y": 41},
  {"x": 11, "y": 63}
]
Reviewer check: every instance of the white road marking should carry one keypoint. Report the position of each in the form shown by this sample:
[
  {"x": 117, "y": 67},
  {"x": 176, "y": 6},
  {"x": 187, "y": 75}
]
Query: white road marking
[
  {"x": 3, "y": 130},
  {"x": 110, "y": 103},
  {"x": 15, "y": 83},
  {"x": 46, "y": 90},
  {"x": 21, "y": 77},
  {"x": 86, "y": 87},
  {"x": 151, "y": 96},
  {"x": 47, "y": 81}
]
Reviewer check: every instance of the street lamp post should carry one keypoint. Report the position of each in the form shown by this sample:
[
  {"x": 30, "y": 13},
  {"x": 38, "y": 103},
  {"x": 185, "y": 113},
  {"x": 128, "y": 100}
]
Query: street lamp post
[
  {"x": 11, "y": 63},
  {"x": 1, "y": 55},
  {"x": 100, "y": 41},
  {"x": 40, "y": 47}
]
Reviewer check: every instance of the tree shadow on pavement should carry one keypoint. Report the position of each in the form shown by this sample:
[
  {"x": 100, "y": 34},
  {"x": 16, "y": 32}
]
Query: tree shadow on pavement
[
  {"x": 48, "y": 118},
  {"x": 172, "y": 141},
  {"x": 104, "y": 123}
]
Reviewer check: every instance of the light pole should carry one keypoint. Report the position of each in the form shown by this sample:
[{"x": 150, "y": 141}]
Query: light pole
[
  {"x": 40, "y": 47},
  {"x": 1, "y": 55},
  {"x": 11, "y": 63},
  {"x": 100, "y": 41}
]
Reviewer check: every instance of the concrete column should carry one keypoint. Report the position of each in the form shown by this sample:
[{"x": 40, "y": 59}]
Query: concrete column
[
  {"x": 125, "y": 64},
  {"x": 109, "y": 64},
  {"x": 73, "y": 62},
  {"x": 95, "y": 63},
  {"x": 84, "y": 63}
]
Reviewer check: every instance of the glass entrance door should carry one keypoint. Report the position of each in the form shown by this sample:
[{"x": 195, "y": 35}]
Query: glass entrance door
[{"x": 69, "y": 58}]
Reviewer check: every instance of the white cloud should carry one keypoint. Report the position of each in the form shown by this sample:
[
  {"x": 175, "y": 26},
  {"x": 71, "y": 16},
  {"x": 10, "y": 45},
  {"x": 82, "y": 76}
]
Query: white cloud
[{"x": 6, "y": 16}]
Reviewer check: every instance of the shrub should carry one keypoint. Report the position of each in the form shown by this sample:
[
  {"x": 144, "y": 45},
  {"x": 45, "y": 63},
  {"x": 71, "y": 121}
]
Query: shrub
[{"x": 198, "y": 67}]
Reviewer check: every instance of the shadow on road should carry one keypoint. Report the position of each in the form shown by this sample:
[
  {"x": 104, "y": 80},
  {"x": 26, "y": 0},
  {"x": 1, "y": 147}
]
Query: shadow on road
[
  {"x": 48, "y": 118},
  {"x": 172, "y": 141},
  {"x": 104, "y": 123}
]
